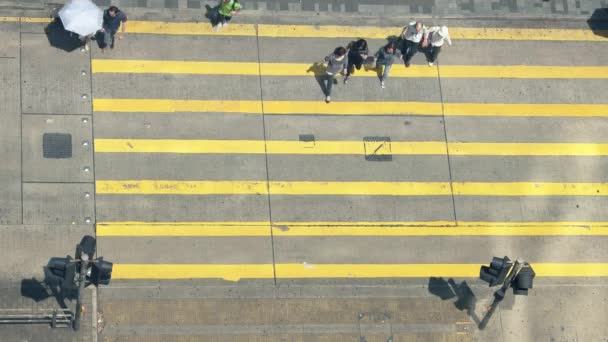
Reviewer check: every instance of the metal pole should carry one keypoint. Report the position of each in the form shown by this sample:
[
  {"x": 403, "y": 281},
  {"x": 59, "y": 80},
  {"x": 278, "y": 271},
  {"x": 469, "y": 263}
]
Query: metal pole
[
  {"x": 84, "y": 263},
  {"x": 500, "y": 294}
]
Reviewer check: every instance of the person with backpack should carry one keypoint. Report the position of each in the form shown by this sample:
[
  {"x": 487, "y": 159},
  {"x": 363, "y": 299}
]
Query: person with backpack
[
  {"x": 225, "y": 11},
  {"x": 337, "y": 62},
  {"x": 433, "y": 41},
  {"x": 357, "y": 54},
  {"x": 411, "y": 36},
  {"x": 113, "y": 19},
  {"x": 384, "y": 61}
]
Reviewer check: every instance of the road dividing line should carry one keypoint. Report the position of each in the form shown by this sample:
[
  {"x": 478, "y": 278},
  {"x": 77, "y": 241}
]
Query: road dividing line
[
  {"x": 345, "y": 147},
  {"x": 349, "y": 108},
  {"x": 331, "y": 31},
  {"x": 297, "y": 69},
  {"x": 291, "y": 229},
  {"x": 305, "y": 270},
  {"x": 167, "y": 187}
]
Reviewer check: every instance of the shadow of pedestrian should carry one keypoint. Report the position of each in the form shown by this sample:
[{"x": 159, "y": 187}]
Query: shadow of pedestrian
[
  {"x": 445, "y": 290},
  {"x": 60, "y": 38},
  {"x": 598, "y": 22},
  {"x": 318, "y": 70},
  {"x": 51, "y": 286}
]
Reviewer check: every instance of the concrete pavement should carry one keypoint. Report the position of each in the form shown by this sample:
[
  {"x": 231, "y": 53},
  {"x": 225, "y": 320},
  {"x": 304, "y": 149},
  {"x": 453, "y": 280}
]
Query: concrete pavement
[{"x": 292, "y": 284}]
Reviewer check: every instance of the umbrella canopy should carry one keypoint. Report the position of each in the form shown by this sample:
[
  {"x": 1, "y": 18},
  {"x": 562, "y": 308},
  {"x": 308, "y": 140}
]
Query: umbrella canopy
[{"x": 81, "y": 16}]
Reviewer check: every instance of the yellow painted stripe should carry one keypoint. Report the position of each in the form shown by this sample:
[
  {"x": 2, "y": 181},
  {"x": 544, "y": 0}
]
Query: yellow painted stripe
[
  {"x": 347, "y": 147},
  {"x": 257, "y": 147},
  {"x": 329, "y": 31},
  {"x": 530, "y": 189},
  {"x": 296, "y": 69},
  {"x": 349, "y": 108},
  {"x": 192, "y": 271},
  {"x": 165, "y": 187},
  {"x": 287, "y": 229},
  {"x": 299, "y": 271}
]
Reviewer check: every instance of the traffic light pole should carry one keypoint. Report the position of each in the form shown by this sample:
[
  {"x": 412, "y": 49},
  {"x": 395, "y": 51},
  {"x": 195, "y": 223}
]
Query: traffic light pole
[
  {"x": 84, "y": 264},
  {"x": 500, "y": 294}
]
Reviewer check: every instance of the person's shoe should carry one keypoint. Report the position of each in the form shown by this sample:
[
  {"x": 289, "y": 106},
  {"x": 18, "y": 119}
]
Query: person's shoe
[
  {"x": 86, "y": 47},
  {"x": 345, "y": 80},
  {"x": 335, "y": 81},
  {"x": 430, "y": 63},
  {"x": 225, "y": 25},
  {"x": 407, "y": 65},
  {"x": 218, "y": 26},
  {"x": 327, "y": 99},
  {"x": 103, "y": 50},
  {"x": 382, "y": 85}
]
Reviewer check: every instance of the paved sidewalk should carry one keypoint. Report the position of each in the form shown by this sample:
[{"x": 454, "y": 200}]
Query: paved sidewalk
[{"x": 382, "y": 8}]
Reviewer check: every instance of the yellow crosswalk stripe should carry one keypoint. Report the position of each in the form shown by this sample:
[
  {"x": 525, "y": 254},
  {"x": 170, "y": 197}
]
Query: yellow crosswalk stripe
[
  {"x": 165, "y": 187},
  {"x": 235, "y": 272},
  {"x": 332, "y": 31},
  {"x": 290, "y": 229},
  {"x": 171, "y": 187},
  {"x": 299, "y": 69},
  {"x": 349, "y": 108},
  {"x": 347, "y": 147}
]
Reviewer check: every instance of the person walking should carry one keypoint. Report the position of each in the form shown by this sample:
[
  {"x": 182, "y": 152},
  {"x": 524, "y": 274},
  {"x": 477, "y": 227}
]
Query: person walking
[
  {"x": 357, "y": 54},
  {"x": 225, "y": 11},
  {"x": 411, "y": 36},
  {"x": 385, "y": 58},
  {"x": 433, "y": 41},
  {"x": 113, "y": 19},
  {"x": 337, "y": 62}
]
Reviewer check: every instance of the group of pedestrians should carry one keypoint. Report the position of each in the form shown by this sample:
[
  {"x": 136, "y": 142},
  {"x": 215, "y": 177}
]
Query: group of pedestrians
[{"x": 415, "y": 37}]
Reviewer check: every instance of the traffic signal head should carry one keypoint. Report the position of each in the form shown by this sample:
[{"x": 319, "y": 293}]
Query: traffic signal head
[
  {"x": 523, "y": 280},
  {"x": 496, "y": 273},
  {"x": 101, "y": 272}
]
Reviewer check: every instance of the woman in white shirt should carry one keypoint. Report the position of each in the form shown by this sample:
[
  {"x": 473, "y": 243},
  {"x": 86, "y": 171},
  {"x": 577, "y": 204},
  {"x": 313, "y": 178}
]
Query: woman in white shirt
[{"x": 433, "y": 41}]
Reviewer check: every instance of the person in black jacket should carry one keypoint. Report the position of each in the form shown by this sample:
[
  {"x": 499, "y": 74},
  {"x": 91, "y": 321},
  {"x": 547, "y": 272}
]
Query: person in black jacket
[{"x": 357, "y": 54}]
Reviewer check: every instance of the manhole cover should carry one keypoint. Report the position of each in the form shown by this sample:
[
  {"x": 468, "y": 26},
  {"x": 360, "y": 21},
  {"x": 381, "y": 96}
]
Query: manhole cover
[
  {"x": 56, "y": 145},
  {"x": 377, "y": 148}
]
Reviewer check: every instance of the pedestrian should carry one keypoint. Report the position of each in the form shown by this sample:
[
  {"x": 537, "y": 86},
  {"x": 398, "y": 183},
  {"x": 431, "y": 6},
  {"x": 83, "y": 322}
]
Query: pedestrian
[
  {"x": 384, "y": 61},
  {"x": 225, "y": 11},
  {"x": 433, "y": 41},
  {"x": 337, "y": 62},
  {"x": 357, "y": 54},
  {"x": 113, "y": 19},
  {"x": 411, "y": 36}
]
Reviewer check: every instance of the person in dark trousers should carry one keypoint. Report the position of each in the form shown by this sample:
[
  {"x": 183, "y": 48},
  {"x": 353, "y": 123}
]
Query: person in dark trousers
[
  {"x": 225, "y": 10},
  {"x": 357, "y": 54},
  {"x": 385, "y": 57},
  {"x": 337, "y": 62},
  {"x": 433, "y": 41},
  {"x": 112, "y": 20},
  {"x": 411, "y": 37}
]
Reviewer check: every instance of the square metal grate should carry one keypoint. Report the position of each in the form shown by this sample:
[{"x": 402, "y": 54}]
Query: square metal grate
[
  {"x": 377, "y": 148},
  {"x": 56, "y": 145}
]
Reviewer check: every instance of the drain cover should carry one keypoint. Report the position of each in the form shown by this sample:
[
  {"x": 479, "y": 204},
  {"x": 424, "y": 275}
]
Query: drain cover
[
  {"x": 377, "y": 148},
  {"x": 56, "y": 145}
]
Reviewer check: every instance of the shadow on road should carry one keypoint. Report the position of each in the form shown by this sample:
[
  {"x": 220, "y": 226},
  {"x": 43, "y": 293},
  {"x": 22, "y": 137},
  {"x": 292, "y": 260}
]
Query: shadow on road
[
  {"x": 450, "y": 289},
  {"x": 51, "y": 286},
  {"x": 598, "y": 22}
]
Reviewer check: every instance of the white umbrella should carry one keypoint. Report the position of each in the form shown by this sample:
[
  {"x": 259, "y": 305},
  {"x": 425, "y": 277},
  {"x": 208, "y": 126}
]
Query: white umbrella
[{"x": 81, "y": 16}]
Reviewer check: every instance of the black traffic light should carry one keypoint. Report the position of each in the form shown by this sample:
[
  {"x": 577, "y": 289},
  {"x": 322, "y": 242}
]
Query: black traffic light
[
  {"x": 101, "y": 272},
  {"x": 87, "y": 246},
  {"x": 64, "y": 268},
  {"x": 523, "y": 280},
  {"x": 497, "y": 272}
]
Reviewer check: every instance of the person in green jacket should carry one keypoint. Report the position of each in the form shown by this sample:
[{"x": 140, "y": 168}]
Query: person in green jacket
[{"x": 225, "y": 11}]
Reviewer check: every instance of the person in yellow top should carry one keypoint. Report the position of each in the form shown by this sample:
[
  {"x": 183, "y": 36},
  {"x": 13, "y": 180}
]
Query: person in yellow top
[{"x": 225, "y": 11}]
